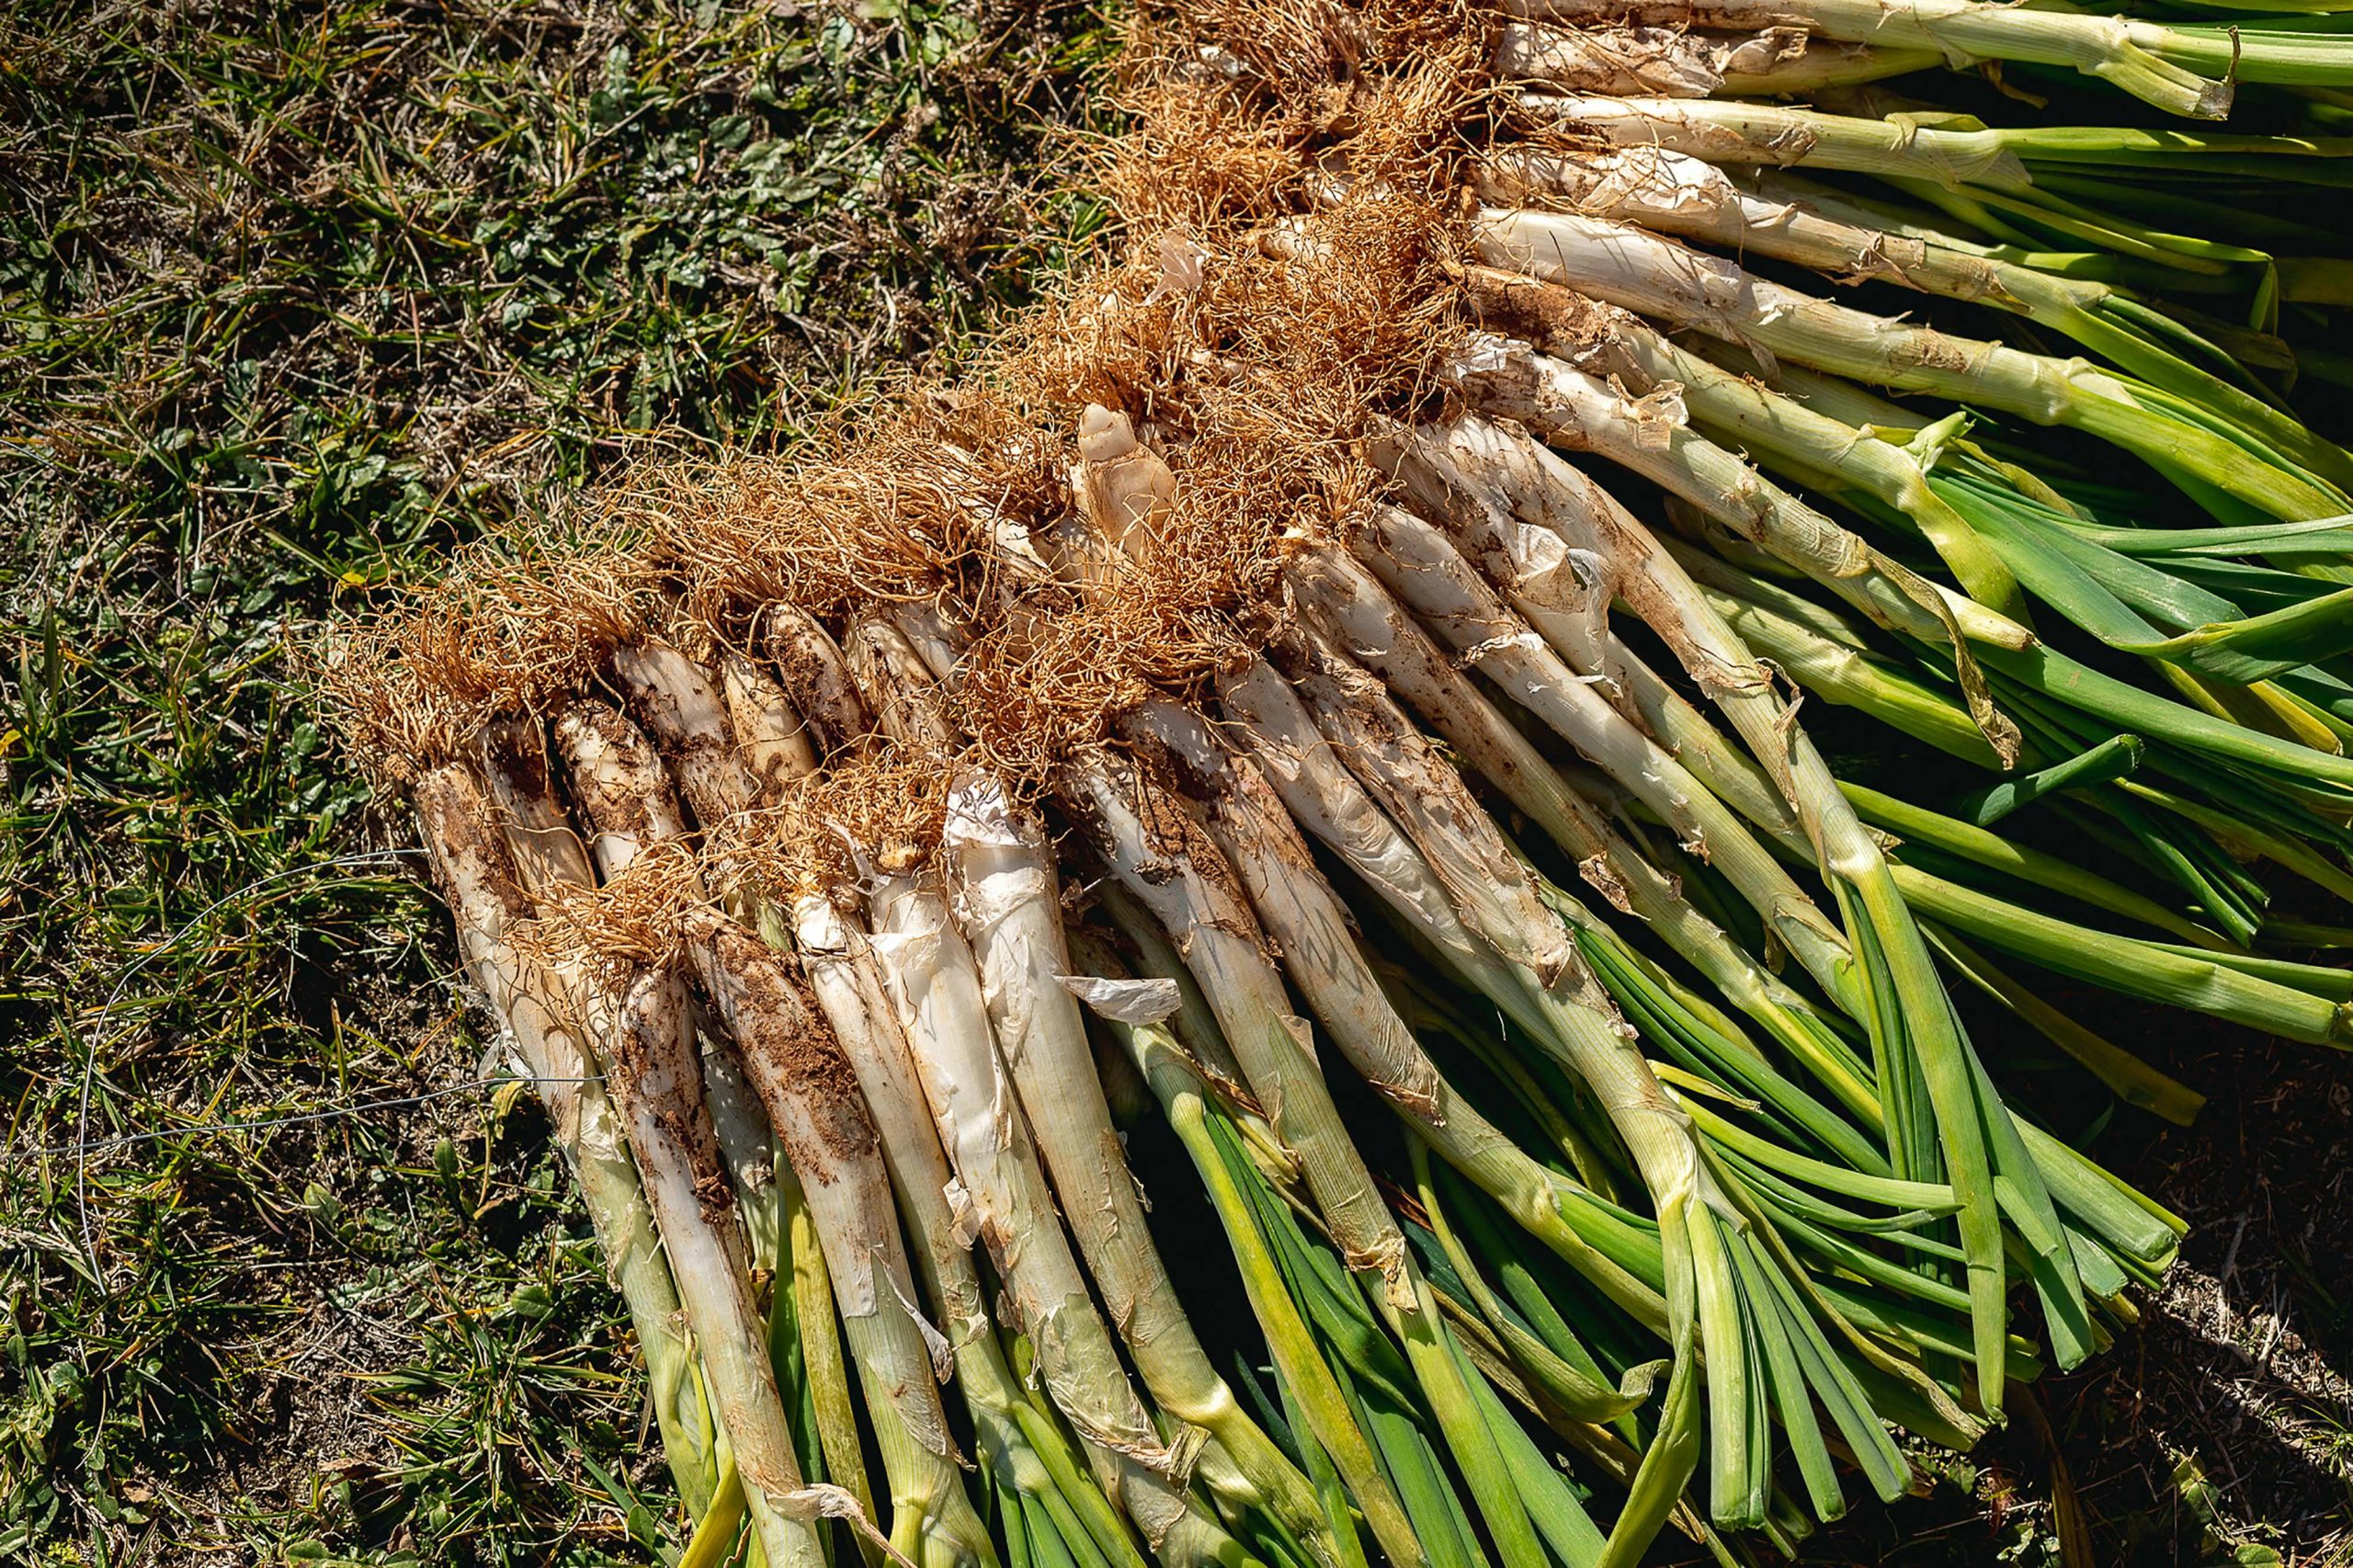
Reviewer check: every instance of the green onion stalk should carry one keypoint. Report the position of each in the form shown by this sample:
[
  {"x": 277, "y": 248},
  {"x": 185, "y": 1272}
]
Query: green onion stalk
[
  {"x": 1467, "y": 854},
  {"x": 2155, "y": 295},
  {"x": 1672, "y": 62},
  {"x": 620, "y": 783},
  {"x": 1008, "y": 895},
  {"x": 1362, "y": 1386},
  {"x": 1398, "y": 817},
  {"x": 1564, "y": 594},
  {"x": 1908, "y": 1316},
  {"x": 2257, "y": 672},
  {"x": 555, "y": 862},
  {"x": 1279, "y": 1262},
  {"x": 1047, "y": 1501},
  {"x": 778, "y": 745},
  {"x": 1158, "y": 855},
  {"x": 1651, "y": 434},
  {"x": 2188, "y": 70},
  {"x": 485, "y": 891},
  {"x": 682, "y": 716},
  {"x": 2261, "y": 645},
  {"x": 1845, "y": 674},
  {"x": 937, "y": 994},
  {"x": 1348, "y": 606},
  {"x": 2176, "y": 215},
  {"x": 685, "y": 711},
  {"x": 1946, "y": 150},
  {"x": 1132, "y": 819},
  {"x": 1309, "y": 934},
  {"x": 1580, "y": 409},
  {"x": 2118, "y": 1225},
  {"x": 1504, "y": 545},
  {"x": 1509, "y": 550},
  {"x": 629, "y": 780},
  {"x": 1830, "y": 660},
  {"x": 937, "y": 991},
  {"x": 1300, "y": 708},
  {"x": 2255, "y": 703},
  {"x": 931, "y": 989},
  {"x": 712, "y": 732},
  {"x": 1672, "y": 193},
  {"x": 1652, "y": 276},
  {"x": 2198, "y": 970},
  {"x": 1627, "y": 878},
  {"x": 837, "y": 710},
  {"x": 1346, "y": 1373},
  {"x": 1256, "y": 822},
  {"x": 1432, "y": 580},
  {"x": 1142, "y": 948},
  {"x": 1388, "y": 642},
  {"x": 813, "y": 1102},
  {"x": 658, "y": 1079},
  {"x": 1734, "y": 973},
  {"x": 1304, "y": 918},
  {"x": 773, "y": 741},
  {"x": 816, "y": 681},
  {"x": 659, "y": 1082},
  {"x": 1943, "y": 1121},
  {"x": 1007, "y": 906}
]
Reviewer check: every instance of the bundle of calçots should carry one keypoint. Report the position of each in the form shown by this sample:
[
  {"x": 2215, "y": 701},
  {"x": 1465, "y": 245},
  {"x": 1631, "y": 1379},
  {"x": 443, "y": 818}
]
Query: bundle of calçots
[{"x": 1366, "y": 639}]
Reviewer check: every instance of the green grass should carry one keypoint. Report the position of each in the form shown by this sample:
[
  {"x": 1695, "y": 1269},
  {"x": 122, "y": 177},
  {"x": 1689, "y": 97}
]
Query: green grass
[{"x": 292, "y": 299}]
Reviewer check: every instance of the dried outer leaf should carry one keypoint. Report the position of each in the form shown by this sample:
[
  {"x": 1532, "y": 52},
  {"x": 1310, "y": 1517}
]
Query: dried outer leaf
[
  {"x": 1133, "y": 1001},
  {"x": 681, "y": 709},
  {"x": 618, "y": 782},
  {"x": 549, "y": 855},
  {"x": 815, "y": 677},
  {"x": 778, "y": 745},
  {"x": 1425, "y": 795},
  {"x": 1637, "y": 60},
  {"x": 819, "y": 1114}
]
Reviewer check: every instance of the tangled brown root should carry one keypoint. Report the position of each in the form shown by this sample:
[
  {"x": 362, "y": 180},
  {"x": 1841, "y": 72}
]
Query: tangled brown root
[
  {"x": 636, "y": 921},
  {"x": 881, "y": 810},
  {"x": 1284, "y": 273},
  {"x": 519, "y": 622},
  {"x": 394, "y": 724},
  {"x": 897, "y": 513}
]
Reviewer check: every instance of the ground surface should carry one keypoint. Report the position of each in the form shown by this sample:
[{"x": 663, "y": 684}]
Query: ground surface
[{"x": 291, "y": 300}]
